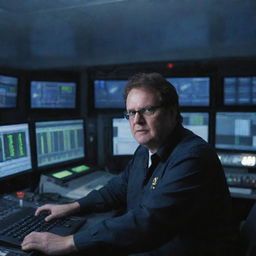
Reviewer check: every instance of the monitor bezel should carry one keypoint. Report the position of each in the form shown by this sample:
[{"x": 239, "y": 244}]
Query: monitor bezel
[
  {"x": 106, "y": 158},
  {"x": 179, "y": 76},
  {"x": 223, "y": 149},
  {"x": 29, "y": 170},
  {"x": 243, "y": 106},
  {"x": 17, "y": 90},
  {"x": 61, "y": 109},
  {"x": 62, "y": 164},
  {"x": 94, "y": 94}
]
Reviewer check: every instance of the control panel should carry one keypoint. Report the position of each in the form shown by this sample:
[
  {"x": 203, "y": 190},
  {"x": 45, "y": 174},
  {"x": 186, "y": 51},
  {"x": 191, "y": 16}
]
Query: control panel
[
  {"x": 238, "y": 159},
  {"x": 241, "y": 180},
  {"x": 240, "y": 172}
]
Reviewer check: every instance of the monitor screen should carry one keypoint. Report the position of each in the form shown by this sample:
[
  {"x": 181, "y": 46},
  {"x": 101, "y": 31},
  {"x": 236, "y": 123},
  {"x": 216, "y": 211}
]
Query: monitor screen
[
  {"x": 192, "y": 91},
  {"x": 236, "y": 131},
  {"x": 8, "y": 91},
  {"x": 59, "y": 95},
  {"x": 122, "y": 140},
  {"x": 198, "y": 123},
  {"x": 240, "y": 90},
  {"x": 15, "y": 154},
  {"x": 109, "y": 93},
  {"x": 59, "y": 141}
]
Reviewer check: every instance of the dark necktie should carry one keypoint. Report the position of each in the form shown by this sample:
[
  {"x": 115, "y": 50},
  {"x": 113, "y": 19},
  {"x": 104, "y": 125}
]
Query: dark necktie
[{"x": 151, "y": 168}]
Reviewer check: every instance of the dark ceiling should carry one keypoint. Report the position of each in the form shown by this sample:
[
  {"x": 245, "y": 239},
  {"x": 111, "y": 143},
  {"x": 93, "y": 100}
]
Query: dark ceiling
[{"x": 73, "y": 34}]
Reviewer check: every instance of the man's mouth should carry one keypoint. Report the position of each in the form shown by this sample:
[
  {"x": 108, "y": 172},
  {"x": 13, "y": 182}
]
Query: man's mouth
[{"x": 141, "y": 131}]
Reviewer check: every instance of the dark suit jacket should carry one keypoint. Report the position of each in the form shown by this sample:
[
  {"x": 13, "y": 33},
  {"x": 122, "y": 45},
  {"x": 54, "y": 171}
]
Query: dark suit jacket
[{"x": 183, "y": 208}]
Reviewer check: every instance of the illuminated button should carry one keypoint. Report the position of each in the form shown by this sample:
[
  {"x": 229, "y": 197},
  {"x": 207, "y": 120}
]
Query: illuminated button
[
  {"x": 81, "y": 168},
  {"x": 62, "y": 174}
]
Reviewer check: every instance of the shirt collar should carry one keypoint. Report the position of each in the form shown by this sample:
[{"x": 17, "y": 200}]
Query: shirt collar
[{"x": 149, "y": 158}]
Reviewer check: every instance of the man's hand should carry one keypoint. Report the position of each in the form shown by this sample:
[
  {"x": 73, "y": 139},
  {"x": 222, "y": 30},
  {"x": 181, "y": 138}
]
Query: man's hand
[
  {"x": 58, "y": 210},
  {"x": 49, "y": 243}
]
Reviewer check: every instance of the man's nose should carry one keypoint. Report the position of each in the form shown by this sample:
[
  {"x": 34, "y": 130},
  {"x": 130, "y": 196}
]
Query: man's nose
[{"x": 139, "y": 118}]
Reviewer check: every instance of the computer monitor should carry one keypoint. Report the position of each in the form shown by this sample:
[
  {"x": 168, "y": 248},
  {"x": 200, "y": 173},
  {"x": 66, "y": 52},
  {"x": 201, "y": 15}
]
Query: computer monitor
[
  {"x": 8, "y": 91},
  {"x": 240, "y": 90},
  {"x": 59, "y": 141},
  {"x": 192, "y": 91},
  {"x": 236, "y": 131},
  {"x": 53, "y": 94},
  {"x": 122, "y": 139},
  {"x": 197, "y": 123},
  {"x": 15, "y": 153},
  {"x": 109, "y": 93}
]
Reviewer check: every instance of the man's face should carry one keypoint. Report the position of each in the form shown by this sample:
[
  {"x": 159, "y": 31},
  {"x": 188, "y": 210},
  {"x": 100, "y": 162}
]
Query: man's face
[{"x": 153, "y": 127}]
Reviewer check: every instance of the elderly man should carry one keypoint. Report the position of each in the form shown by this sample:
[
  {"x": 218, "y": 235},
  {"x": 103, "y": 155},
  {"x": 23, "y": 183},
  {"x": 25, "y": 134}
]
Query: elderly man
[{"x": 174, "y": 189}]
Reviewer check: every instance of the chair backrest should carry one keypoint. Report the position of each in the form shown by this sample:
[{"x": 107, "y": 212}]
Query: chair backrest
[{"x": 248, "y": 233}]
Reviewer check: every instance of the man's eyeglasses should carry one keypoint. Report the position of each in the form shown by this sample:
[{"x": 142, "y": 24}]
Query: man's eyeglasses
[{"x": 147, "y": 111}]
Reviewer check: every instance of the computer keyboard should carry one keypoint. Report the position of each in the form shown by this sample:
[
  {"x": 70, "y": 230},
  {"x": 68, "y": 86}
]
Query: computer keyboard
[
  {"x": 16, "y": 226},
  {"x": 14, "y": 252},
  {"x": 7, "y": 207}
]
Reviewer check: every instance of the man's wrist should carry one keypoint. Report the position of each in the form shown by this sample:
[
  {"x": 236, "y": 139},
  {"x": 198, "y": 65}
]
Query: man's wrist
[
  {"x": 74, "y": 207},
  {"x": 70, "y": 244}
]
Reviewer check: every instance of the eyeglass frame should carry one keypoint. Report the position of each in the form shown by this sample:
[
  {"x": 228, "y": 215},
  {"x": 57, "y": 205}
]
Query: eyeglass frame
[{"x": 142, "y": 112}]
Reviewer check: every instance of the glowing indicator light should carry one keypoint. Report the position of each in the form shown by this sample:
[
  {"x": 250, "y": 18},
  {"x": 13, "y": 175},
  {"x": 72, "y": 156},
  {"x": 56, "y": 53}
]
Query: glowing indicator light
[
  {"x": 248, "y": 161},
  {"x": 170, "y": 65}
]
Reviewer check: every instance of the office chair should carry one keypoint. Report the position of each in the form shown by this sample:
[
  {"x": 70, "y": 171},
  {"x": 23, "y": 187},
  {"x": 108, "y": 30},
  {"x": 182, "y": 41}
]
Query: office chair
[{"x": 248, "y": 233}]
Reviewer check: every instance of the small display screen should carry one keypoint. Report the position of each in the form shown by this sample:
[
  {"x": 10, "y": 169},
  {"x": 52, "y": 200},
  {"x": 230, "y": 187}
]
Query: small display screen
[
  {"x": 8, "y": 91},
  {"x": 123, "y": 141},
  {"x": 81, "y": 168},
  {"x": 197, "y": 123},
  {"x": 15, "y": 152},
  {"x": 192, "y": 91},
  {"x": 236, "y": 131},
  {"x": 59, "y": 141},
  {"x": 62, "y": 174},
  {"x": 45, "y": 94},
  {"x": 109, "y": 93},
  {"x": 240, "y": 90}
]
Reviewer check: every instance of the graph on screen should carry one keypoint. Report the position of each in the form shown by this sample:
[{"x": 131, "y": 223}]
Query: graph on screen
[
  {"x": 59, "y": 141},
  {"x": 15, "y": 153}
]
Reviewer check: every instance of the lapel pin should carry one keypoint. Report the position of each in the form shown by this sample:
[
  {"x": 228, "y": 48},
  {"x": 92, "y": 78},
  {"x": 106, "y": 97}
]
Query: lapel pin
[{"x": 154, "y": 183}]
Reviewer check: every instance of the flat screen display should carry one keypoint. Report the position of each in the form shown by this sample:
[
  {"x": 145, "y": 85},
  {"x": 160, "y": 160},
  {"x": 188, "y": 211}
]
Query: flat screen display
[
  {"x": 240, "y": 90},
  {"x": 109, "y": 93},
  {"x": 59, "y": 141},
  {"x": 192, "y": 91},
  {"x": 56, "y": 95},
  {"x": 8, "y": 91},
  {"x": 236, "y": 131},
  {"x": 198, "y": 123},
  {"x": 122, "y": 140},
  {"x": 15, "y": 153}
]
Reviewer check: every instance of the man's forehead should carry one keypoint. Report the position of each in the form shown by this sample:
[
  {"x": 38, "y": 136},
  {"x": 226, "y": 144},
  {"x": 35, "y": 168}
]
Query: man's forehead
[
  {"x": 145, "y": 90},
  {"x": 142, "y": 97}
]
